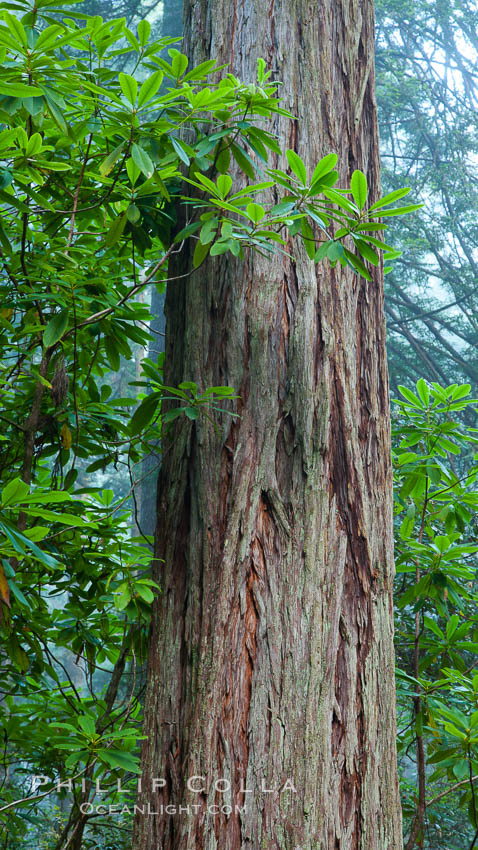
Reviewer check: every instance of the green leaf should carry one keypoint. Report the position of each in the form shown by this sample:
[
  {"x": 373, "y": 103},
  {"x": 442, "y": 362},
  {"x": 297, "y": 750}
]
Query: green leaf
[
  {"x": 150, "y": 87},
  {"x": 308, "y": 238},
  {"x": 47, "y": 38},
  {"x": 201, "y": 70},
  {"x": 16, "y": 28},
  {"x": 419, "y": 589},
  {"x": 461, "y": 391},
  {"x": 327, "y": 181},
  {"x": 283, "y": 208},
  {"x": 410, "y": 397},
  {"x": 208, "y": 230},
  {"x": 180, "y": 150},
  {"x": 433, "y": 626},
  {"x": 224, "y": 184},
  {"x": 6, "y": 178},
  {"x": 117, "y": 758},
  {"x": 187, "y": 231},
  {"x": 406, "y": 457},
  {"x": 389, "y": 199},
  {"x": 87, "y": 724},
  {"x": 321, "y": 252},
  {"x": 146, "y": 593},
  {"x": 357, "y": 264},
  {"x": 191, "y": 412},
  {"x": 255, "y": 212},
  {"x": 223, "y": 160},
  {"x": 133, "y": 41},
  {"x": 242, "y": 160},
  {"x": 456, "y": 733},
  {"x": 34, "y": 145},
  {"x": 401, "y": 211},
  {"x": 359, "y": 188},
  {"x": 13, "y": 89},
  {"x": 10, "y": 200},
  {"x": 146, "y": 410},
  {"x": 53, "y": 166},
  {"x": 171, "y": 415},
  {"x": 335, "y": 251},
  {"x": 20, "y": 543},
  {"x": 129, "y": 87},
  {"x": 75, "y": 757},
  {"x": 108, "y": 163},
  {"x": 200, "y": 253},
  {"x": 112, "y": 353},
  {"x": 257, "y": 146},
  {"x": 179, "y": 63},
  {"x": 142, "y": 160},
  {"x": 18, "y": 656},
  {"x": 297, "y": 166},
  {"x": 208, "y": 183},
  {"x": 62, "y": 518},
  {"x": 144, "y": 31},
  {"x": 326, "y": 164},
  {"x": 461, "y": 769},
  {"x": 367, "y": 252},
  {"x": 55, "y": 111},
  {"x": 116, "y": 229},
  {"x": 340, "y": 201},
  {"x": 382, "y": 246},
  {"x": 423, "y": 391},
  {"x": 55, "y": 328},
  {"x": 408, "y": 523},
  {"x": 222, "y": 247},
  {"x": 452, "y": 626},
  {"x": 132, "y": 171},
  {"x": 133, "y": 214},
  {"x": 18, "y": 594},
  {"x": 14, "y": 492},
  {"x": 34, "y": 106}
]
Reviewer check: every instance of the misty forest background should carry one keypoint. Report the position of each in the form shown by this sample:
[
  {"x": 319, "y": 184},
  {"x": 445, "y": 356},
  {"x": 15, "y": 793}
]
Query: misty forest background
[{"x": 427, "y": 91}]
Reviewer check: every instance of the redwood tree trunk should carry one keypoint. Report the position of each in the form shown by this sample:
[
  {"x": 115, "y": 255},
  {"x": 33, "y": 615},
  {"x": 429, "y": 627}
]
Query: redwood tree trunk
[{"x": 271, "y": 669}]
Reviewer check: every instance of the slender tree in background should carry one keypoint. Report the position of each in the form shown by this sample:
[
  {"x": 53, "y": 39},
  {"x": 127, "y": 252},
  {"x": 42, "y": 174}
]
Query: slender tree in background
[
  {"x": 170, "y": 25},
  {"x": 271, "y": 658},
  {"x": 427, "y": 88}
]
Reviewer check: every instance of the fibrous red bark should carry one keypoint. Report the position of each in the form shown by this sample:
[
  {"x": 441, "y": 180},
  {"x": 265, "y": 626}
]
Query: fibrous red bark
[{"x": 271, "y": 671}]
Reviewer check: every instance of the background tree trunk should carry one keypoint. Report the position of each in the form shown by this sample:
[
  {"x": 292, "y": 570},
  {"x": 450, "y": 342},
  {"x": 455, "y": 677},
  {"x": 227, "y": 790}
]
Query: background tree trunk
[
  {"x": 271, "y": 649},
  {"x": 151, "y": 463}
]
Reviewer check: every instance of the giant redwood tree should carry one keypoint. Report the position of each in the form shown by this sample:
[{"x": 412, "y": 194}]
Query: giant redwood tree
[{"x": 270, "y": 701}]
